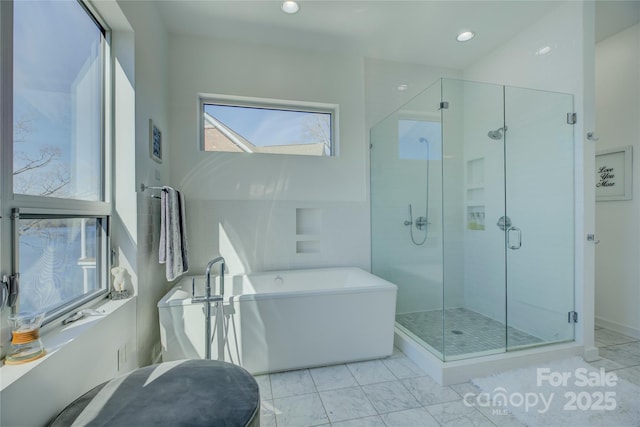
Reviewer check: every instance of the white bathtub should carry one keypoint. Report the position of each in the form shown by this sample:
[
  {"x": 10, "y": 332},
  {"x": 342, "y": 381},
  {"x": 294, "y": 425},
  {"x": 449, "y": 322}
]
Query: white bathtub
[{"x": 284, "y": 320}]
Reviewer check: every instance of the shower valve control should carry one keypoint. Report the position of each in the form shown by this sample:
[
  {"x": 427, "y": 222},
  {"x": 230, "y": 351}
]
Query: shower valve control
[{"x": 421, "y": 222}]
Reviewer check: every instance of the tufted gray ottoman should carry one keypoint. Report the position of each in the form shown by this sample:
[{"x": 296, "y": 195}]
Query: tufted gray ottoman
[{"x": 180, "y": 393}]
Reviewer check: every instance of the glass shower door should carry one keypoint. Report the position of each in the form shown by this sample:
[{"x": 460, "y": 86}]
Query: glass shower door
[
  {"x": 540, "y": 205},
  {"x": 473, "y": 201}
]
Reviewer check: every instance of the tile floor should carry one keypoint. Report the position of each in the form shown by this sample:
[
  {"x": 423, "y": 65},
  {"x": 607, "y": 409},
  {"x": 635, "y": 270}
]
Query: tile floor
[
  {"x": 620, "y": 354},
  {"x": 395, "y": 392},
  {"x": 387, "y": 392}
]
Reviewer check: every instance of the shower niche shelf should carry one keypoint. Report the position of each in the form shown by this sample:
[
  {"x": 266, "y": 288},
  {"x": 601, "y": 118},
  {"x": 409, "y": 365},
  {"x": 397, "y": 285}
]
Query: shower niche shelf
[
  {"x": 475, "y": 180},
  {"x": 308, "y": 230},
  {"x": 475, "y": 217},
  {"x": 474, "y": 194},
  {"x": 475, "y": 173}
]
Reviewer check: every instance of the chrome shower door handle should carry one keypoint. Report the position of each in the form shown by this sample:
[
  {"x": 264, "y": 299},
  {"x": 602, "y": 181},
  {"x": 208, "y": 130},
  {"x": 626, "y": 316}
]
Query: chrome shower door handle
[{"x": 518, "y": 245}]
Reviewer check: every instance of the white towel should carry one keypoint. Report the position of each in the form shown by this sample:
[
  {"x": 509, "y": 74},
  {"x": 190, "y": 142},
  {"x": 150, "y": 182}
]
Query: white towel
[{"x": 173, "y": 233}]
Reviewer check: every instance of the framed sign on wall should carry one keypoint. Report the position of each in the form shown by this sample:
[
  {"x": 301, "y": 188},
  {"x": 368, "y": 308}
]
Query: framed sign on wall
[
  {"x": 614, "y": 168},
  {"x": 155, "y": 142}
]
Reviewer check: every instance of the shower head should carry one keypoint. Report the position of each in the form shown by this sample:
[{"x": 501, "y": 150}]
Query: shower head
[
  {"x": 423, "y": 140},
  {"x": 496, "y": 134}
]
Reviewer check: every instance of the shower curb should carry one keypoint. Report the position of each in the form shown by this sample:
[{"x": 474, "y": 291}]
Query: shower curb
[{"x": 460, "y": 371}]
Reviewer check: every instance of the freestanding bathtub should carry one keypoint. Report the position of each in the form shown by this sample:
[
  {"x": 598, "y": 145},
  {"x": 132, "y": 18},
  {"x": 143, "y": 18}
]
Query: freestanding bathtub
[{"x": 284, "y": 320}]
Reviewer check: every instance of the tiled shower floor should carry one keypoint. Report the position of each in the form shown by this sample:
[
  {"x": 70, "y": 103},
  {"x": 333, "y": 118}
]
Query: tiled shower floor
[{"x": 465, "y": 331}]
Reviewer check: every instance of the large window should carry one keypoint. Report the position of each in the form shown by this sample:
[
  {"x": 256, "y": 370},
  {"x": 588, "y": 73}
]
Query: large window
[
  {"x": 262, "y": 126},
  {"x": 60, "y": 206},
  {"x": 58, "y": 66}
]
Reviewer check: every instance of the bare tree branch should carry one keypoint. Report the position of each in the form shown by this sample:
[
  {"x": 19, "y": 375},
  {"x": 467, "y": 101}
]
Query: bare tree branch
[
  {"x": 318, "y": 129},
  {"x": 40, "y": 172},
  {"x": 21, "y": 128},
  {"x": 56, "y": 182},
  {"x": 46, "y": 155}
]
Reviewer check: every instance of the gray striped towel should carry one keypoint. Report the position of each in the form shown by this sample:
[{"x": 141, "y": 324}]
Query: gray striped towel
[{"x": 173, "y": 233}]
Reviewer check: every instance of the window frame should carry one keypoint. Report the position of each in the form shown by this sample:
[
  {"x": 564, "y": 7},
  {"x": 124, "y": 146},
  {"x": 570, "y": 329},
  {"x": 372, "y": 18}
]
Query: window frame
[
  {"x": 103, "y": 249},
  {"x": 270, "y": 104},
  {"x": 25, "y": 206}
]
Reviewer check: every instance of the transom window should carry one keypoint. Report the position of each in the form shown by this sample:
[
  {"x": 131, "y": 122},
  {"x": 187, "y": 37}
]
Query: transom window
[{"x": 262, "y": 126}]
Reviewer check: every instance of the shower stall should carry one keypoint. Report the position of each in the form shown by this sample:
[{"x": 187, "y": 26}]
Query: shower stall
[{"x": 472, "y": 216}]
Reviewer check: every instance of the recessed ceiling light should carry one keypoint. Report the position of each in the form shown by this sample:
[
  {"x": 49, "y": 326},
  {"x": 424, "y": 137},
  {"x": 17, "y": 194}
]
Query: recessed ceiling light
[
  {"x": 465, "y": 36},
  {"x": 290, "y": 6},
  {"x": 402, "y": 87},
  {"x": 543, "y": 50}
]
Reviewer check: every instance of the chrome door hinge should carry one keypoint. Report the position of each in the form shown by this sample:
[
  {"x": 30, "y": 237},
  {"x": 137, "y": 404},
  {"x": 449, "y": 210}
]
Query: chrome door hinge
[
  {"x": 572, "y": 118},
  {"x": 572, "y": 317},
  {"x": 444, "y": 105}
]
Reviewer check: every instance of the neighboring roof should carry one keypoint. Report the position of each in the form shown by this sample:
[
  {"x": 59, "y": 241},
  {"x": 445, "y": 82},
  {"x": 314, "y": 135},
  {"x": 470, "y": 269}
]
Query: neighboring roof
[
  {"x": 314, "y": 149},
  {"x": 220, "y": 137},
  {"x": 214, "y": 140}
]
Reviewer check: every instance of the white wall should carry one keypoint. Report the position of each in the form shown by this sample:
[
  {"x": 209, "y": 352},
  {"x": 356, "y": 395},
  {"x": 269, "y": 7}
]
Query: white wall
[
  {"x": 151, "y": 80},
  {"x": 244, "y": 206},
  {"x": 617, "y": 225},
  {"x": 382, "y": 78},
  {"x": 568, "y": 30},
  {"x": 79, "y": 357}
]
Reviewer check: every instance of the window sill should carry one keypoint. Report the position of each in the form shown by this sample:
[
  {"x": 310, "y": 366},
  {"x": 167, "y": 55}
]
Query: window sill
[{"x": 56, "y": 337}]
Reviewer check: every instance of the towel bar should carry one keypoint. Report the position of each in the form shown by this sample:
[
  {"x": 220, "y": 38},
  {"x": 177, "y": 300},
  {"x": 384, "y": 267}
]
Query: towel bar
[{"x": 143, "y": 188}]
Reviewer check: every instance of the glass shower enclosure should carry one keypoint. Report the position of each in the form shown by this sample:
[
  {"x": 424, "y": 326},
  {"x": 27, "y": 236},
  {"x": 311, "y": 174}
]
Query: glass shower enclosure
[{"x": 472, "y": 216}]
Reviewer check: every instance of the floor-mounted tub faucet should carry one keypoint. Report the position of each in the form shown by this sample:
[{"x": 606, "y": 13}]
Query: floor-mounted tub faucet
[
  {"x": 208, "y": 273},
  {"x": 207, "y": 299}
]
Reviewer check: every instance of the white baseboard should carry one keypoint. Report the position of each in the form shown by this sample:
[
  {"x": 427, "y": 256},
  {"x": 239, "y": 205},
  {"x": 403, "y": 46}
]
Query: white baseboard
[
  {"x": 591, "y": 354},
  {"x": 617, "y": 327}
]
